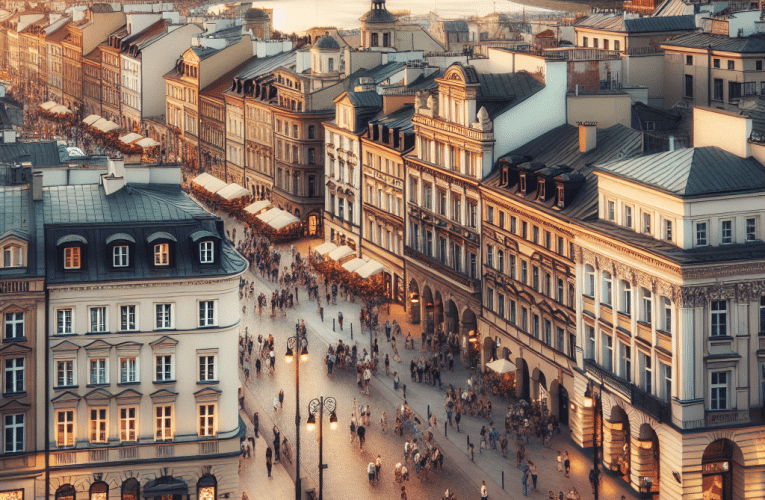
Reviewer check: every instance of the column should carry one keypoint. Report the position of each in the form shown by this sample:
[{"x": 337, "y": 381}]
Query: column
[
  {"x": 686, "y": 350},
  {"x": 613, "y": 444}
]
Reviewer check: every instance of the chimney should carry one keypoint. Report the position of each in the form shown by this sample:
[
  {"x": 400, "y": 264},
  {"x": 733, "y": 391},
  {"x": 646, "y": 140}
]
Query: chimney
[
  {"x": 37, "y": 185},
  {"x": 587, "y": 136},
  {"x": 671, "y": 142}
]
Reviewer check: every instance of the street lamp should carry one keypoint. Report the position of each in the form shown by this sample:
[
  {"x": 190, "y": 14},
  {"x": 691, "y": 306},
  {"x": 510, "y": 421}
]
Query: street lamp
[
  {"x": 590, "y": 402},
  {"x": 294, "y": 344},
  {"x": 318, "y": 405}
]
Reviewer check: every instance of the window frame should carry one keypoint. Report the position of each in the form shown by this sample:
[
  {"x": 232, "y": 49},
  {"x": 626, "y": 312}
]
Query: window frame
[
  {"x": 70, "y": 372},
  {"x": 69, "y": 426},
  {"x": 210, "y": 362},
  {"x": 208, "y": 313},
  {"x": 121, "y": 256},
  {"x": 124, "y": 421},
  {"x": 13, "y": 324},
  {"x": 163, "y": 363},
  {"x": 718, "y": 319},
  {"x": 94, "y": 363},
  {"x": 207, "y": 420},
  {"x": 161, "y": 254},
  {"x": 72, "y": 258},
  {"x": 169, "y": 310},
  {"x": 136, "y": 370},
  {"x": 715, "y": 386},
  {"x": 14, "y": 375},
  {"x": 207, "y": 252},
  {"x": 18, "y": 442},
  {"x": 98, "y": 427},
  {"x": 102, "y": 321},
  {"x": 167, "y": 422}
]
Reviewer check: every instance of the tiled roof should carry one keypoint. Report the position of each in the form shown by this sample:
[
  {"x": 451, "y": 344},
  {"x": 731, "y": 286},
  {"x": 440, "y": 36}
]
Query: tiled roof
[
  {"x": 702, "y": 40},
  {"x": 15, "y": 201},
  {"x": 400, "y": 119},
  {"x": 617, "y": 22},
  {"x": 39, "y": 153},
  {"x": 459, "y": 26},
  {"x": 707, "y": 171},
  {"x": 501, "y": 91}
]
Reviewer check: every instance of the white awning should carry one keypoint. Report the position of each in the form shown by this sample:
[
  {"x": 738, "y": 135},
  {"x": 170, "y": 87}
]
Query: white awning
[
  {"x": 232, "y": 192},
  {"x": 147, "y": 142},
  {"x": 270, "y": 215},
  {"x": 353, "y": 264},
  {"x": 257, "y": 207},
  {"x": 325, "y": 248},
  {"x": 209, "y": 183},
  {"x": 130, "y": 138},
  {"x": 48, "y": 105},
  {"x": 91, "y": 119},
  {"x": 283, "y": 220},
  {"x": 106, "y": 126},
  {"x": 370, "y": 268},
  {"x": 340, "y": 252},
  {"x": 60, "y": 110}
]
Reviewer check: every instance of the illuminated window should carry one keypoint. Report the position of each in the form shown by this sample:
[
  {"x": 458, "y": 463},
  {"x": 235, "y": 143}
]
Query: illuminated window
[
  {"x": 128, "y": 427},
  {"x": 99, "y": 491},
  {"x": 98, "y": 427},
  {"x": 207, "y": 420},
  {"x": 72, "y": 258}
]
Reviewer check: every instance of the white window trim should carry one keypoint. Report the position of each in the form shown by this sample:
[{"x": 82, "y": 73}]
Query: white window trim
[
  {"x": 136, "y": 321},
  {"x": 727, "y": 386},
  {"x": 168, "y": 434},
  {"x": 105, "y": 319},
  {"x": 74, "y": 372},
  {"x": 172, "y": 367},
  {"x": 79, "y": 257},
  {"x": 172, "y": 316},
  {"x": 16, "y": 324},
  {"x": 71, "y": 435},
  {"x": 16, "y": 426},
  {"x": 15, "y": 370},
  {"x": 732, "y": 231},
  {"x": 696, "y": 233},
  {"x": 207, "y": 252},
  {"x": 106, "y": 370},
  {"x": 205, "y": 432},
  {"x": 203, "y": 322},
  {"x": 105, "y": 421},
  {"x": 118, "y": 257},
  {"x": 71, "y": 313},
  {"x": 137, "y": 360},
  {"x": 158, "y": 252},
  {"x": 214, "y": 357},
  {"x": 135, "y": 419}
]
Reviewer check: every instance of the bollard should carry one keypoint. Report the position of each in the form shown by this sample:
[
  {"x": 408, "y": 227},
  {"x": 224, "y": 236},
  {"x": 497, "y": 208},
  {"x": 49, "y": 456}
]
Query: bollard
[
  {"x": 428, "y": 412},
  {"x": 503, "y": 480},
  {"x": 351, "y": 331},
  {"x": 445, "y": 427},
  {"x": 468, "y": 444},
  {"x": 333, "y": 324}
]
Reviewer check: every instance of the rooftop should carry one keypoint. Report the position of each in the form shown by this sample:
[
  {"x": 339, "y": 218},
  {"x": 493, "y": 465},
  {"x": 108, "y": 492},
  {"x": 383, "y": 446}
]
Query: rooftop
[
  {"x": 610, "y": 21},
  {"x": 501, "y": 91},
  {"x": 723, "y": 43}
]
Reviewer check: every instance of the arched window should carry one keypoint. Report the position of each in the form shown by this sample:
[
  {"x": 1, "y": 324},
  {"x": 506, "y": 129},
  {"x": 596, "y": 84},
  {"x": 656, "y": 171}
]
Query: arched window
[
  {"x": 589, "y": 280},
  {"x": 207, "y": 488},
  {"x": 99, "y": 491},
  {"x": 65, "y": 492},
  {"x": 131, "y": 489}
]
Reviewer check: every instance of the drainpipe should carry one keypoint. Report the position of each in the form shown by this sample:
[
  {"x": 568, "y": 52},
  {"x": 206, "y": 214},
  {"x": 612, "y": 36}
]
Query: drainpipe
[
  {"x": 709, "y": 75},
  {"x": 47, "y": 396}
]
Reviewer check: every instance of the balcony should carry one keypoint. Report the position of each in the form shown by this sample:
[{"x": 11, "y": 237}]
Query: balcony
[
  {"x": 655, "y": 407},
  {"x": 608, "y": 379},
  {"x": 471, "y": 284},
  {"x": 718, "y": 419}
]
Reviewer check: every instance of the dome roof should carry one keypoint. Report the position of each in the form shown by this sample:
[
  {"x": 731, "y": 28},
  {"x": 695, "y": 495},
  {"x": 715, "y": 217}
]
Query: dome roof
[
  {"x": 326, "y": 42},
  {"x": 253, "y": 14}
]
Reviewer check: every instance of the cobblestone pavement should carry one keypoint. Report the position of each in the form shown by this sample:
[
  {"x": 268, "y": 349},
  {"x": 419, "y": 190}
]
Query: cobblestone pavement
[{"x": 346, "y": 476}]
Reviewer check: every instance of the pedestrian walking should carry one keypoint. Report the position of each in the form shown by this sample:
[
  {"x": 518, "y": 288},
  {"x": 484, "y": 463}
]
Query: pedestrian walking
[
  {"x": 367, "y": 379},
  {"x": 378, "y": 466},
  {"x": 353, "y": 429},
  {"x": 384, "y": 421},
  {"x": 407, "y": 449},
  {"x": 387, "y": 366},
  {"x": 404, "y": 388},
  {"x": 484, "y": 491},
  {"x": 276, "y": 402},
  {"x": 277, "y": 449},
  {"x": 560, "y": 462},
  {"x": 269, "y": 454},
  {"x": 403, "y": 491},
  {"x": 281, "y": 398},
  {"x": 396, "y": 381},
  {"x": 256, "y": 424},
  {"x": 533, "y": 470},
  {"x": 566, "y": 462},
  {"x": 257, "y": 367},
  {"x": 371, "y": 472},
  {"x": 340, "y": 320},
  {"x": 525, "y": 480},
  {"x": 361, "y": 431},
  {"x": 457, "y": 418}
]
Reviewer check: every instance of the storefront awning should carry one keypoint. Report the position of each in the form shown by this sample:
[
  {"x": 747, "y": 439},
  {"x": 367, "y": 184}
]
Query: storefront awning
[
  {"x": 147, "y": 142},
  {"x": 209, "y": 183},
  {"x": 48, "y": 105},
  {"x": 257, "y": 207},
  {"x": 340, "y": 252},
  {"x": 60, "y": 110},
  {"x": 354, "y": 264},
  {"x": 232, "y": 192},
  {"x": 325, "y": 248},
  {"x": 370, "y": 268},
  {"x": 130, "y": 138},
  {"x": 166, "y": 485},
  {"x": 278, "y": 218},
  {"x": 91, "y": 119},
  {"x": 106, "y": 126}
]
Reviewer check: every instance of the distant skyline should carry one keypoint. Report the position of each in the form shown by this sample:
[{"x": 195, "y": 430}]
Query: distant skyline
[{"x": 299, "y": 15}]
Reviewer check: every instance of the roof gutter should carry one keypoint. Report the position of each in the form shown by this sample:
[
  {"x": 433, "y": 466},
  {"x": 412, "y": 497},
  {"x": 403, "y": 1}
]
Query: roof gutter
[{"x": 709, "y": 75}]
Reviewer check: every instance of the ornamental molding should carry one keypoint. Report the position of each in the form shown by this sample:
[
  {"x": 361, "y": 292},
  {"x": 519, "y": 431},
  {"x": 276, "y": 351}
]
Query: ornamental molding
[
  {"x": 700, "y": 296},
  {"x": 633, "y": 276},
  {"x": 724, "y": 271},
  {"x": 525, "y": 214},
  {"x": 443, "y": 175},
  {"x": 629, "y": 252},
  {"x": 144, "y": 284}
]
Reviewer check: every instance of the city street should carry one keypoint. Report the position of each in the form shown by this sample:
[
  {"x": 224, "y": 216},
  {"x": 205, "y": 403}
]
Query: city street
[{"x": 347, "y": 465}]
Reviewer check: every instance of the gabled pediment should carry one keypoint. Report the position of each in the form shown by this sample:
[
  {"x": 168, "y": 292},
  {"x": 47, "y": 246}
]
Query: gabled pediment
[
  {"x": 98, "y": 397},
  {"x": 163, "y": 396},
  {"x": 66, "y": 400},
  {"x": 19, "y": 307},
  {"x": 14, "y": 348},
  {"x": 14, "y": 405},
  {"x": 128, "y": 397},
  {"x": 129, "y": 346},
  {"x": 65, "y": 347},
  {"x": 164, "y": 343},
  {"x": 98, "y": 345},
  {"x": 207, "y": 395}
]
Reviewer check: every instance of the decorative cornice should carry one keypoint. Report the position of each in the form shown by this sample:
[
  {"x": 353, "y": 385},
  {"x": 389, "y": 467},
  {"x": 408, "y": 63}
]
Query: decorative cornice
[
  {"x": 142, "y": 284},
  {"x": 444, "y": 175},
  {"x": 527, "y": 215}
]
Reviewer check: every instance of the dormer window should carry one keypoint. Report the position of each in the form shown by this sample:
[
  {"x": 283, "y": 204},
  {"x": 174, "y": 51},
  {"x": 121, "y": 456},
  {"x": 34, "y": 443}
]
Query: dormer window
[
  {"x": 522, "y": 184},
  {"x": 162, "y": 254},
  {"x": 542, "y": 190},
  {"x": 72, "y": 258},
  {"x": 561, "y": 196},
  {"x": 13, "y": 256},
  {"x": 121, "y": 256},
  {"x": 206, "y": 252}
]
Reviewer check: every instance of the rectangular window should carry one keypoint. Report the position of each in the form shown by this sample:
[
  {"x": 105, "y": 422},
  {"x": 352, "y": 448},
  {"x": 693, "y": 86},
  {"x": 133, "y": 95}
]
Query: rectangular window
[
  {"x": 701, "y": 234},
  {"x": 719, "y": 318},
  {"x": 719, "y": 391},
  {"x": 428, "y": 196},
  {"x": 689, "y": 60},
  {"x": 536, "y": 234},
  {"x": 718, "y": 90},
  {"x": 666, "y": 311},
  {"x": 162, "y": 254},
  {"x": 561, "y": 245},
  {"x": 127, "y": 319},
  {"x": 666, "y": 386},
  {"x": 98, "y": 371},
  {"x": 608, "y": 352},
  {"x": 164, "y": 316},
  {"x": 536, "y": 326},
  {"x": 524, "y": 272},
  {"x": 627, "y": 216},
  {"x": 535, "y": 278},
  {"x": 559, "y": 291},
  {"x": 727, "y": 232},
  {"x": 512, "y": 306},
  {"x": 14, "y": 433},
  {"x": 668, "y": 230},
  {"x": 206, "y": 368},
  {"x": 646, "y": 306},
  {"x": 72, "y": 258},
  {"x": 472, "y": 211},
  {"x": 207, "y": 420},
  {"x": 65, "y": 428},
  {"x": 65, "y": 373},
  {"x": 163, "y": 423},
  {"x": 647, "y": 223},
  {"x": 590, "y": 338},
  {"x": 607, "y": 288},
  {"x": 524, "y": 230},
  {"x": 490, "y": 255},
  {"x": 206, "y": 252},
  {"x": 731, "y": 65},
  {"x": 511, "y": 270},
  {"x": 164, "y": 368},
  {"x": 524, "y": 319},
  {"x": 120, "y": 256},
  {"x": 647, "y": 373},
  {"x": 513, "y": 224},
  {"x": 716, "y": 63},
  {"x": 625, "y": 361},
  {"x": 689, "y": 86},
  {"x": 751, "y": 229},
  {"x": 128, "y": 370},
  {"x": 490, "y": 299},
  {"x": 14, "y": 375},
  {"x": 501, "y": 219},
  {"x": 500, "y": 260},
  {"x": 611, "y": 210},
  {"x": 548, "y": 333},
  {"x": 14, "y": 326},
  {"x": 734, "y": 91},
  {"x": 98, "y": 425},
  {"x": 560, "y": 339},
  {"x": 97, "y": 319},
  {"x": 128, "y": 424},
  {"x": 207, "y": 313}
]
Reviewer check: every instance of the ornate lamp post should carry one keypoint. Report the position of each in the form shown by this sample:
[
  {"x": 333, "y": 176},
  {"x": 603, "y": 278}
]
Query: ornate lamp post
[
  {"x": 297, "y": 344},
  {"x": 590, "y": 401},
  {"x": 318, "y": 405}
]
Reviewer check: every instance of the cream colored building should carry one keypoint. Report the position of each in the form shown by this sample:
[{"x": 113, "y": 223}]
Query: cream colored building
[{"x": 143, "y": 307}]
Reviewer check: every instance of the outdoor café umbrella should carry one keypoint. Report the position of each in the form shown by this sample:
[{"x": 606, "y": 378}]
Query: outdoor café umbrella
[{"x": 501, "y": 366}]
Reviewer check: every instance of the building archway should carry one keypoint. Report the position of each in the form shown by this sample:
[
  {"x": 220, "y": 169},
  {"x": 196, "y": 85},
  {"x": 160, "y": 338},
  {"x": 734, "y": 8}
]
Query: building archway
[
  {"x": 414, "y": 302},
  {"x": 722, "y": 471},
  {"x": 616, "y": 442},
  {"x": 438, "y": 312},
  {"x": 559, "y": 402},
  {"x": 539, "y": 393},
  {"x": 646, "y": 461},
  {"x": 207, "y": 488},
  {"x": 66, "y": 492},
  {"x": 522, "y": 389},
  {"x": 99, "y": 491},
  {"x": 452, "y": 317},
  {"x": 131, "y": 489}
]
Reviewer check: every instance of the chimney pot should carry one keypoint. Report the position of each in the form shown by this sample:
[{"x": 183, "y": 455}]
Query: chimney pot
[{"x": 587, "y": 136}]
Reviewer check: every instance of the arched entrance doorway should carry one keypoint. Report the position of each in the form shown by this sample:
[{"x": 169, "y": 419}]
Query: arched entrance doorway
[
  {"x": 646, "y": 465},
  {"x": 489, "y": 349},
  {"x": 452, "y": 317},
  {"x": 722, "y": 471},
  {"x": 559, "y": 401},
  {"x": 131, "y": 489},
  {"x": 414, "y": 302},
  {"x": 206, "y": 487},
  {"x": 427, "y": 307},
  {"x": 469, "y": 324},
  {"x": 616, "y": 444},
  {"x": 522, "y": 379},
  {"x": 313, "y": 225},
  {"x": 539, "y": 394},
  {"x": 66, "y": 492},
  {"x": 388, "y": 285}
]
